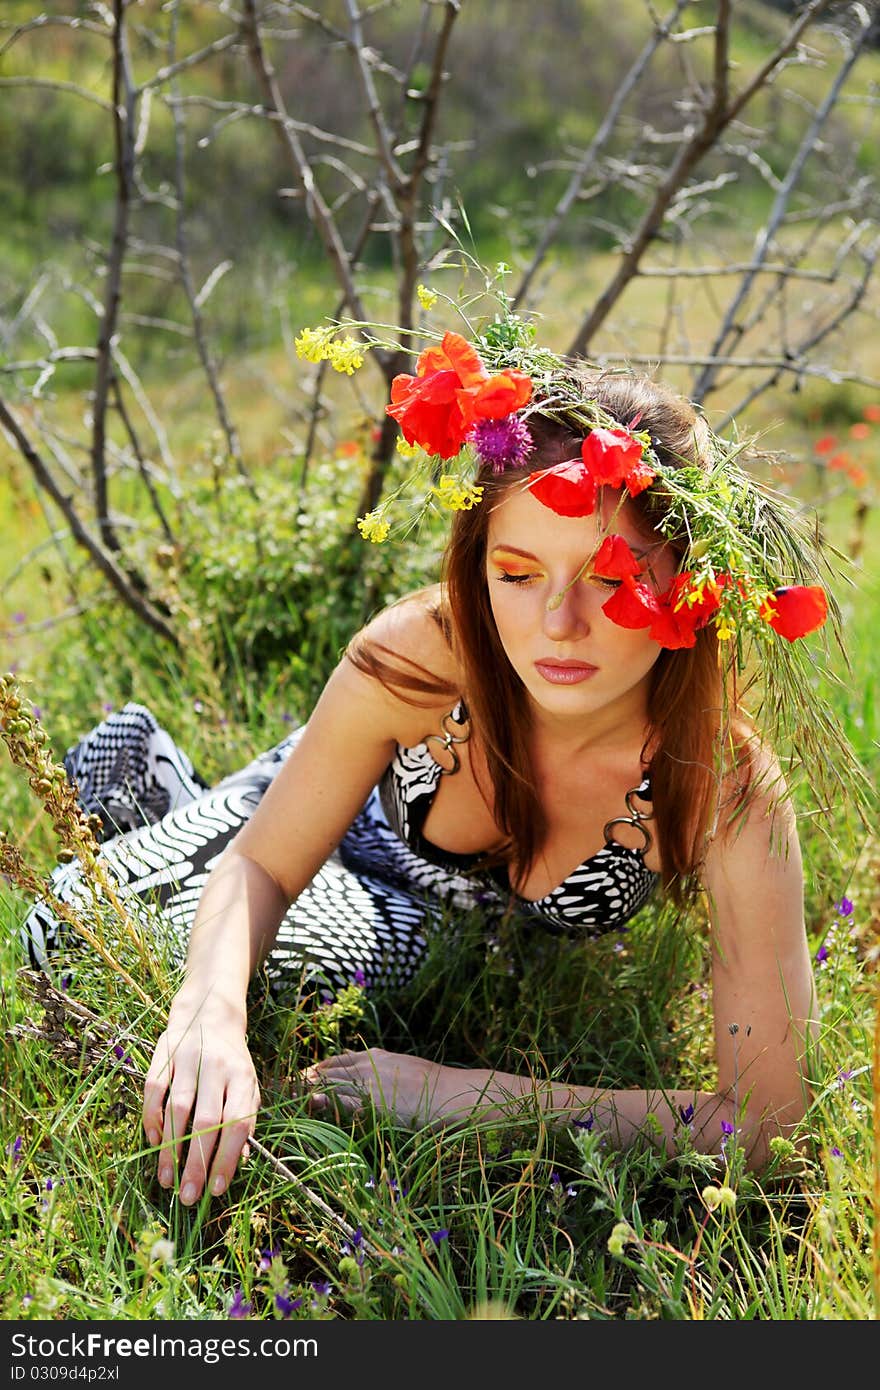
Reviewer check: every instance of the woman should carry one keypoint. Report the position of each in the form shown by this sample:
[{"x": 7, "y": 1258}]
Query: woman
[{"x": 552, "y": 731}]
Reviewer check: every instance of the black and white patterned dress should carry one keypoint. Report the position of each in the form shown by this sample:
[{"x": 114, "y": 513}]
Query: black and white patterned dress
[{"x": 369, "y": 905}]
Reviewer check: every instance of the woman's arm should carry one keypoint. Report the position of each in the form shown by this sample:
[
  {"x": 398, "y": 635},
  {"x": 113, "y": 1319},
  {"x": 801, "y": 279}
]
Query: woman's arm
[
  {"x": 764, "y": 1011},
  {"x": 201, "y": 1079}
]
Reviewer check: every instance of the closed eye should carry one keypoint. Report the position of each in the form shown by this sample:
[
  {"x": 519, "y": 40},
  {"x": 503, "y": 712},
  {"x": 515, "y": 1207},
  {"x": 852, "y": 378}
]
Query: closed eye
[{"x": 506, "y": 578}]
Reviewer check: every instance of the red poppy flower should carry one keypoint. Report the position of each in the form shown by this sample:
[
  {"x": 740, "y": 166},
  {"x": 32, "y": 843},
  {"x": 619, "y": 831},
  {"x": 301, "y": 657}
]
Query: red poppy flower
[
  {"x": 450, "y": 392},
  {"x": 859, "y": 430},
  {"x": 872, "y": 412},
  {"x": 679, "y": 621},
  {"x": 795, "y": 610},
  {"x": 568, "y": 488},
  {"x": 673, "y": 622},
  {"x": 614, "y": 559},
  {"x": 633, "y": 605},
  {"x": 614, "y": 457},
  {"x": 825, "y": 444}
]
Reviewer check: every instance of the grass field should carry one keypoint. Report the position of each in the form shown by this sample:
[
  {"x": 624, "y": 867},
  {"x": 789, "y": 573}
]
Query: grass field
[{"x": 511, "y": 1220}]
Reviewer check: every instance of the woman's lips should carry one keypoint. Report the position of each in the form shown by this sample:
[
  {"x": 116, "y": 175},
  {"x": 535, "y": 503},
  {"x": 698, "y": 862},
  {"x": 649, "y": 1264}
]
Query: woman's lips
[{"x": 565, "y": 672}]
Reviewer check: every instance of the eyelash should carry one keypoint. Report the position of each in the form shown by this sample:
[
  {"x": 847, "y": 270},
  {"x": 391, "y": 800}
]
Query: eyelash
[{"x": 528, "y": 578}]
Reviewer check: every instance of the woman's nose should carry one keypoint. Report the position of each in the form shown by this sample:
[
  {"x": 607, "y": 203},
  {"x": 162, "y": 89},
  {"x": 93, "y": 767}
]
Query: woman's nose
[{"x": 566, "y": 617}]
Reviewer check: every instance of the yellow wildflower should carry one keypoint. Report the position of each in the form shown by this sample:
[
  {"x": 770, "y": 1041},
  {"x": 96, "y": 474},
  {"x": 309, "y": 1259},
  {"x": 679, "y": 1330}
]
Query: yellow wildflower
[
  {"x": 313, "y": 343},
  {"x": 725, "y": 629},
  {"x": 345, "y": 356},
  {"x": 407, "y": 451},
  {"x": 427, "y": 298},
  {"x": 373, "y": 527},
  {"x": 456, "y": 496}
]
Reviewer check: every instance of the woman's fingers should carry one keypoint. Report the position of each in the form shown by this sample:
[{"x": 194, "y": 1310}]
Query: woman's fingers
[{"x": 237, "y": 1128}]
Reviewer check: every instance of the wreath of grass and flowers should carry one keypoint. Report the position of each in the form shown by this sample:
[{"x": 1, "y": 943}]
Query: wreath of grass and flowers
[{"x": 752, "y": 563}]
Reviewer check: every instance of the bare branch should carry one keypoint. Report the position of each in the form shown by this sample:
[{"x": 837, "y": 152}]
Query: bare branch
[
  {"x": 716, "y": 117},
  {"x": 597, "y": 144},
  {"x": 195, "y": 301},
  {"x": 730, "y": 331},
  {"x": 374, "y": 106},
  {"x": 123, "y": 129},
  {"x": 101, "y": 556},
  {"x": 58, "y": 86},
  {"x": 320, "y": 214}
]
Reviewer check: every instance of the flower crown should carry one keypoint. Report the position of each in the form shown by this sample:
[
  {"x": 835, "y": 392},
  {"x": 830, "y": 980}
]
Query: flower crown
[{"x": 456, "y": 407}]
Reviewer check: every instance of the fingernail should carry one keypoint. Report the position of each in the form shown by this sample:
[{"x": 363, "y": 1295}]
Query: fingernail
[
  {"x": 188, "y": 1194},
  {"x": 218, "y": 1185},
  {"x": 153, "y": 1137},
  {"x": 166, "y": 1177}
]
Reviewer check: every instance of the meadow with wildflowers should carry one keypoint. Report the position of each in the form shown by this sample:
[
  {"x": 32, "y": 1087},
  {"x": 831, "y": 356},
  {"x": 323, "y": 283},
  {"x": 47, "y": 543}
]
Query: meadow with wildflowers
[{"x": 360, "y": 1219}]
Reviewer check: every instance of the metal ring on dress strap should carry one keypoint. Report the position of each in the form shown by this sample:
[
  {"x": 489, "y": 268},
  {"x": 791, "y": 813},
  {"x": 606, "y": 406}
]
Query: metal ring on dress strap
[
  {"x": 446, "y": 741},
  {"x": 635, "y": 818}
]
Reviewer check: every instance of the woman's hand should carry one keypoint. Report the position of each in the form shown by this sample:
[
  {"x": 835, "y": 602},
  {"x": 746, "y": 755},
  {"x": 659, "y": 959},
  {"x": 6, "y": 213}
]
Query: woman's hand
[
  {"x": 201, "y": 1089},
  {"x": 409, "y": 1089}
]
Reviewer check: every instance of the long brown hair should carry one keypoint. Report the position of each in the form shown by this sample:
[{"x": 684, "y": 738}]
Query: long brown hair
[{"x": 686, "y": 692}]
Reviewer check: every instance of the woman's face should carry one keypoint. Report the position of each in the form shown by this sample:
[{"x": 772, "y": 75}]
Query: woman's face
[{"x": 571, "y": 658}]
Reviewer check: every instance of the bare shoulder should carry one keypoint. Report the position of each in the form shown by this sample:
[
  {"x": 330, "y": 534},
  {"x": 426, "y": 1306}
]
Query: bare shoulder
[
  {"x": 402, "y": 661},
  {"x": 756, "y": 832}
]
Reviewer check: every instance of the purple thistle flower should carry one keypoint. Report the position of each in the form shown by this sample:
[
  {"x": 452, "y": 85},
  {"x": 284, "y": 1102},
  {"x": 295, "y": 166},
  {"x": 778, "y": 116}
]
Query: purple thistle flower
[
  {"x": 286, "y": 1306},
  {"x": 844, "y": 908},
  {"x": 687, "y": 1113},
  {"x": 503, "y": 443},
  {"x": 821, "y": 954},
  {"x": 238, "y": 1308},
  {"x": 438, "y": 1237},
  {"x": 586, "y": 1124}
]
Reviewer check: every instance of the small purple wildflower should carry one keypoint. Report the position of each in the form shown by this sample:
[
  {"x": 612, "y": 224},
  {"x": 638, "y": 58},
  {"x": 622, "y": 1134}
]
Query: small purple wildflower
[
  {"x": 353, "y": 1247},
  {"x": 555, "y": 1180},
  {"x": 571, "y": 1190},
  {"x": 687, "y": 1114},
  {"x": 37, "y": 711},
  {"x": 822, "y": 954},
  {"x": 266, "y": 1258},
  {"x": 66, "y": 981},
  {"x": 726, "y": 1127},
  {"x": 843, "y": 1076},
  {"x": 370, "y": 1182},
  {"x": 198, "y": 706},
  {"x": 844, "y": 908},
  {"x": 28, "y": 1298},
  {"x": 19, "y": 617},
  {"x": 322, "y": 1287},
  {"x": 49, "y": 1184},
  {"x": 238, "y": 1308},
  {"x": 586, "y": 1123},
  {"x": 360, "y": 978},
  {"x": 287, "y": 717},
  {"x": 836, "y": 1152},
  {"x": 15, "y": 1149},
  {"x": 503, "y": 443},
  {"x": 285, "y": 1305},
  {"x": 121, "y": 1055},
  {"x": 438, "y": 1237},
  {"x": 107, "y": 707}
]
